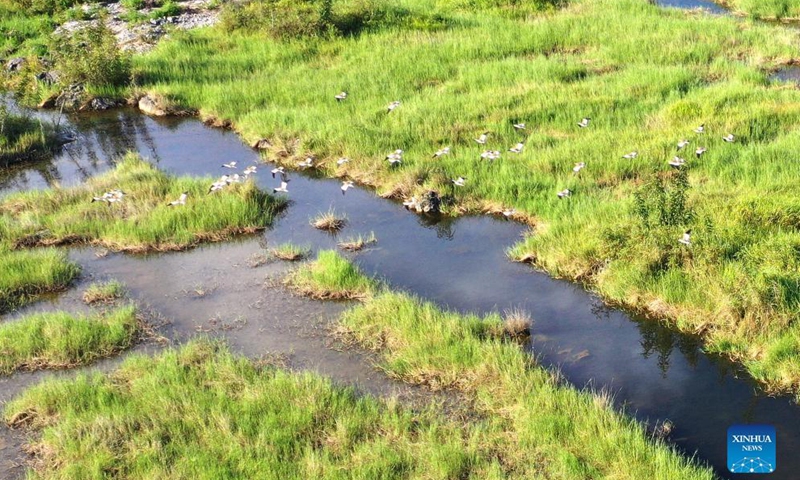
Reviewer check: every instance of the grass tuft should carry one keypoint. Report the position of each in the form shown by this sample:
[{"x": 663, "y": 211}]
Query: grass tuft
[
  {"x": 290, "y": 252},
  {"x": 358, "y": 243},
  {"x": 329, "y": 221},
  {"x": 26, "y": 275},
  {"x": 107, "y": 292},
  {"x": 330, "y": 276}
]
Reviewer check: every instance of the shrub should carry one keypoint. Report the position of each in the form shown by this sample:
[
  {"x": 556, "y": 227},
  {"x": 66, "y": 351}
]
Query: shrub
[{"x": 90, "y": 55}]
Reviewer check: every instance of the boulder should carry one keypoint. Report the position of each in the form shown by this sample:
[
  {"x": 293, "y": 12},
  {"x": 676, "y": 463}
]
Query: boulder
[
  {"x": 99, "y": 103},
  {"x": 152, "y": 106},
  {"x": 429, "y": 203},
  {"x": 261, "y": 144},
  {"x": 15, "y": 64}
]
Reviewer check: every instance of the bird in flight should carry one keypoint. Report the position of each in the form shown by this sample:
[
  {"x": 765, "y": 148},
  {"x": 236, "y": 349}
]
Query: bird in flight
[
  {"x": 179, "y": 201},
  {"x": 441, "y": 152},
  {"x": 578, "y": 167},
  {"x": 342, "y": 161},
  {"x": 564, "y": 193},
  {"x": 395, "y": 157},
  {"x": 585, "y": 122},
  {"x": 459, "y": 182},
  {"x": 631, "y": 156},
  {"x": 307, "y": 163},
  {"x": 345, "y": 185},
  {"x": 686, "y": 239},
  {"x": 229, "y": 165},
  {"x": 276, "y": 171},
  {"x": 519, "y": 126},
  {"x": 729, "y": 138},
  {"x": 392, "y": 106},
  {"x": 682, "y": 144},
  {"x": 490, "y": 155},
  {"x": 110, "y": 197},
  {"x": 517, "y": 148},
  {"x": 677, "y": 162},
  {"x": 700, "y": 129},
  {"x": 340, "y": 96},
  {"x": 482, "y": 139},
  {"x": 700, "y": 151}
]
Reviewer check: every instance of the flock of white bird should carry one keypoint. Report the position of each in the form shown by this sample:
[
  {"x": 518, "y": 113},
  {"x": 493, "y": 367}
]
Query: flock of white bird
[{"x": 395, "y": 158}]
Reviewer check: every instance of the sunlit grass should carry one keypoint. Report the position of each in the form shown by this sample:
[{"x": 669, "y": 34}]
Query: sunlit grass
[
  {"x": 28, "y": 274},
  {"x": 62, "y": 340},
  {"x": 290, "y": 252},
  {"x": 330, "y": 276},
  {"x": 107, "y": 292}
]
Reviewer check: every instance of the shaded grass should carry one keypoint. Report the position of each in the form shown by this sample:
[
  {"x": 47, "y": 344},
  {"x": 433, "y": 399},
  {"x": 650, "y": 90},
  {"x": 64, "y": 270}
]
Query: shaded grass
[
  {"x": 107, "y": 292},
  {"x": 28, "y": 274},
  {"x": 647, "y": 76},
  {"x": 330, "y": 276},
  {"x": 23, "y": 137},
  {"x": 62, "y": 340},
  {"x": 142, "y": 221},
  {"x": 201, "y": 412}
]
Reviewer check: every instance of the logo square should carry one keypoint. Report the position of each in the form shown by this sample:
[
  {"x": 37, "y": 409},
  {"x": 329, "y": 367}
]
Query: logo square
[{"x": 751, "y": 449}]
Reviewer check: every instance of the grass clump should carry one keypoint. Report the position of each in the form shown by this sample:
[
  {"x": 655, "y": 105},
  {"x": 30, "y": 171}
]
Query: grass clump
[
  {"x": 107, "y": 292},
  {"x": 329, "y": 221},
  {"x": 358, "y": 243},
  {"x": 331, "y": 276},
  {"x": 90, "y": 56},
  {"x": 142, "y": 221},
  {"x": 647, "y": 76},
  {"x": 765, "y": 9},
  {"x": 62, "y": 340},
  {"x": 201, "y": 412},
  {"x": 290, "y": 252},
  {"x": 28, "y": 274}
]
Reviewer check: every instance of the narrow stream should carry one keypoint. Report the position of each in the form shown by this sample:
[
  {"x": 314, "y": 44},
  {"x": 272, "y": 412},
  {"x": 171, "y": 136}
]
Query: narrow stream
[{"x": 655, "y": 372}]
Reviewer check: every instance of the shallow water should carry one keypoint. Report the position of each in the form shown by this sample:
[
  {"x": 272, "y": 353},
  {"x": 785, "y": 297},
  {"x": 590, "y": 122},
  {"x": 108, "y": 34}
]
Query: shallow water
[
  {"x": 655, "y": 373},
  {"x": 707, "y": 5}
]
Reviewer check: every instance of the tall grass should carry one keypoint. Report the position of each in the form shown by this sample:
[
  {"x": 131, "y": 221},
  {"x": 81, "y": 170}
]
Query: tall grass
[
  {"x": 28, "y": 274},
  {"x": 22, "y": 137},
  {"x": 200, "y": 412},
  {"x": 766, "y": 9},
  {"x": 142, "y": 220},
  {"x": 61, "y": 340},
  {"x": 647, "y": 76}
]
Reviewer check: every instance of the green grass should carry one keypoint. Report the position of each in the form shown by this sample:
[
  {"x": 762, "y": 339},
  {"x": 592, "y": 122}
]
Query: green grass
[
  {"x": 62, "y": 340},
  {"x": 330, "y": 276},
  {"x": 201, "y": 412},
  {"x": 142, "y": 221},
  {"x": 29, "y": 274},
  {"x": 765, "y": 9},
  {"x": 329, "y": 221},
  {"x": 646, "y": 75},
  {"x": 355, "y": 244},
  {"x": 107, "y": 292}
]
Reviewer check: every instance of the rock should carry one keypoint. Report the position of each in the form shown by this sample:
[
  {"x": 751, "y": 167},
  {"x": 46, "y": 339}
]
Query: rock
[
  {"x": 71, "y": 97},
  {"x": 429, "y": 203},
  {"x": 48, "y": 78},
  {"x": 151, "y": 106},
  {"x": 99, "y": 103},
  {"x": 261, "y": 144},
  {"x": 15, "y": 64},
  {"x": 49, "y": 102}
]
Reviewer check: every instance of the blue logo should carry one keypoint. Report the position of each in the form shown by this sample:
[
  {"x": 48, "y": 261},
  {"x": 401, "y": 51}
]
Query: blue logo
[{"x": 751, "y": 449}]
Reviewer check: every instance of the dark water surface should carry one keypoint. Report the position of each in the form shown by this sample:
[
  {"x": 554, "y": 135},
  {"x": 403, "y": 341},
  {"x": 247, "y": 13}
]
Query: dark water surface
[
  {"x": 655, "y": 373},
  {"x": 707, "y": 5}
]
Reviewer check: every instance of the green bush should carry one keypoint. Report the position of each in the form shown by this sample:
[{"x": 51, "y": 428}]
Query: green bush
[{"x": 90, "y": 55}]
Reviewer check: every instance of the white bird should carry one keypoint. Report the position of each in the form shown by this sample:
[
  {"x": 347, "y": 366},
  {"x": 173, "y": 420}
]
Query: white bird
[
  {"x": 341, "y": 96},
  {"x": 631, "y": 156},
  {"x": 229, "y": 165},
  {"x": 682, "y": 144},
  {"x": 729, "y": 138},
  {"x": 519, "y": 126},
  {"x": 395, "y": 157},
  {"x": 440, "y": 152},
  {"x": 392, "y": 106},
  {"x": 459, "y": 182},
  {"x": 490, "y": 155},
  {"x": 180, "y": 201},
  {"x": 677, "y": 162},
  {"x": 283, "y": 188},
  {"x": 509, "y": 212},
  {"x": 235, "y": 178},
  {"x": 564, "y": 193},
  {"x": 250, "y": 170},
  {"x": 218, "y": 185},
  {"x": 307, "y": 163},
  {"x": 517, "y": 148},
  {"x": 342, "y": 161},
  {"x": 578, "y": 167},
  {"x": 700, "y": 129},
  {"x": 276, "y": 170},
  {"x": 411, "y": 203},
  {"x": 345, "y": 185},
  {"x": 686, "y": 239},
  {"x": 699, "y": 151},
  {"x": 482, "y": 139},
  {"x": 585, "y": 122},
  {"x": 110, "y": 197}
]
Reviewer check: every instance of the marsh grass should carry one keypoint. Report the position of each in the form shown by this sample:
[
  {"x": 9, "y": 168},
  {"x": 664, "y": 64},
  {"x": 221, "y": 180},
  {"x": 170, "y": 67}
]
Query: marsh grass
[
  {"x": 355, "y": 244},
  {"x": 55, "y": 340},
  {"x": 290, "y": 252},
  {"x": 22, "y": 137},
  {"x": 765, "y": 9},
  {"x": 329, "y": 221},
  {"x": 28, "y": 274},
  {"x": 224, "y": 416},
  {"x": 517, "y": 323},
  {"x": 142, "y": 221},
  {"x": 104, "y": 293},
  {"x": 646, "y": 75},
  {"x": 330, "y": 276}
]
